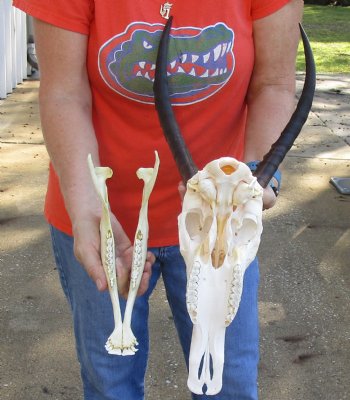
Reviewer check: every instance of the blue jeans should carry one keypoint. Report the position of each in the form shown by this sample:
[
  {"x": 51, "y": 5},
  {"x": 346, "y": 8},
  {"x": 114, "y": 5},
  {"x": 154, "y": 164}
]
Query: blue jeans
[{"x": 110, "y": 377}]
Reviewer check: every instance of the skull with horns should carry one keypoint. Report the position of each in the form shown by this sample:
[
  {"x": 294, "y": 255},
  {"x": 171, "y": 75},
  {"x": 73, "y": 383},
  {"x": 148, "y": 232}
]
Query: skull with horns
[{"x": 220, "y": 224}]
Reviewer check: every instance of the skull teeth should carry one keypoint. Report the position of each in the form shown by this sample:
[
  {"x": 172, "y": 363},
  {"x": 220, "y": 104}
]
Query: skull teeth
[
  {"x": 234, "y": 294},
  {"x": 192, "y": 291}
]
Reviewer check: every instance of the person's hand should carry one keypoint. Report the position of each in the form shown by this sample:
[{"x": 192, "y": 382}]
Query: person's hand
[
  {"x": 87, "y": 251},
  {"x": 86, "y": 235},
  {"x": 269, "y": 198}
]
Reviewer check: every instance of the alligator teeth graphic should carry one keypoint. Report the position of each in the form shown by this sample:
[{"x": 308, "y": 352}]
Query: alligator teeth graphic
[{"x": 201, "y": 61}]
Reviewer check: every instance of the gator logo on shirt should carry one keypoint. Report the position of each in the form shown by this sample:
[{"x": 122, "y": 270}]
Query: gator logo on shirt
[{"x": 201, "y": 61}]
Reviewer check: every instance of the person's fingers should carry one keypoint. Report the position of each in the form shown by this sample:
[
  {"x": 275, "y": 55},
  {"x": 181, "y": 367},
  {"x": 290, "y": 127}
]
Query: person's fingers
[
  {"x": 87, "y": 253},
  {"x": 122, "y": 242},
  {"x": 144, "y": 283},
  {"x": 150, "y": 257},
  {"x": 146, "y": 275},
  {"x": 269, "y": 198},
  {"x": 123, "y": 274},
  {"x": 182, "y": 190}
]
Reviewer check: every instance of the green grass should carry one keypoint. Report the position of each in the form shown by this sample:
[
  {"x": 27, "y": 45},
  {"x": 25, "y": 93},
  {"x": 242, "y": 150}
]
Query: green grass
[{"x": 328, "y": 29}]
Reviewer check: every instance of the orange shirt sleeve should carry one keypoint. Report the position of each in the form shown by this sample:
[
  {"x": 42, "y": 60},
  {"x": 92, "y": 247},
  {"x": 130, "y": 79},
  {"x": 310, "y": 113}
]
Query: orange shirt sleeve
[
  {"x": 263, "y": 8},
  {"x": 74, "y": 18}
]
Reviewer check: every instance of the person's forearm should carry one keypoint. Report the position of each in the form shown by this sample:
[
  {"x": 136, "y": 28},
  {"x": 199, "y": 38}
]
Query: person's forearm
[
  {"x": 65, "y": 108},
  {"x": 269, "y": 109},
  {"x": 69, "y": 137},
  {"x": 271, "y": 94}
]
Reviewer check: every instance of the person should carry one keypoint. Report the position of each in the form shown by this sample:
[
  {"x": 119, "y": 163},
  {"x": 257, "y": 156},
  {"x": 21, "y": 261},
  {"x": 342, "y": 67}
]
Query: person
[{"x": 233, "y": 82}]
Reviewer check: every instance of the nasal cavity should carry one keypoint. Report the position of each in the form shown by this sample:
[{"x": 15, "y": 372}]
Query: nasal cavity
[{"x": 228, "y": 169}]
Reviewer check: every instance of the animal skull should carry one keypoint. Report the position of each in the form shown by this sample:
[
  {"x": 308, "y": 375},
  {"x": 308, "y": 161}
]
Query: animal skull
[
  {"x": 219, "y": 230},
  {"x": 220, "y": 225}
]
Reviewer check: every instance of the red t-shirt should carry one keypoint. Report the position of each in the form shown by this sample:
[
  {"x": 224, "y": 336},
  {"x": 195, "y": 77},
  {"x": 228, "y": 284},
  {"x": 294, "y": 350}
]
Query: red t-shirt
[{"x": 211, "y": 57}]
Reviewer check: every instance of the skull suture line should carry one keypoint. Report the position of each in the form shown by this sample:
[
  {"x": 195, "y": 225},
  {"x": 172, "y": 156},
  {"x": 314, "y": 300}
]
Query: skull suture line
[{"x": 220, "y": 224}]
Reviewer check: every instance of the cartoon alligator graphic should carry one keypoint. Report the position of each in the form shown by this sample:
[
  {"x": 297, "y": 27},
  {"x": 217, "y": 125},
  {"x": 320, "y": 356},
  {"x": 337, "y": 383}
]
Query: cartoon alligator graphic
[{"x": 200, "y": 61}]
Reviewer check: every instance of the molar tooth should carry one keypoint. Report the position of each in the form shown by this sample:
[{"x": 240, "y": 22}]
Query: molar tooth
[
  {"x": 195, "y": 273},
  {"x": 193, "y": 292},
  {"x": 232, "y": 301},
  {"x": 192, "y": 304},
  {"x": 193, "y": 284},
  {"x": 231, "y": 310}
]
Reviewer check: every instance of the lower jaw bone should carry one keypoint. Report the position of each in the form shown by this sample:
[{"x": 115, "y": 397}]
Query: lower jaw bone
[
  {"x": 219, "y": 228},
  {"x": 148, "y": 175},
  {"x": 122, "y": 341},
  {"x": 99, "y": 176}
]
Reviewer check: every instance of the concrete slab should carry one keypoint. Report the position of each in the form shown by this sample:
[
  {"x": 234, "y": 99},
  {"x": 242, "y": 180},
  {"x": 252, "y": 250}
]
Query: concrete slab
[{"x": 305, "y": 270}]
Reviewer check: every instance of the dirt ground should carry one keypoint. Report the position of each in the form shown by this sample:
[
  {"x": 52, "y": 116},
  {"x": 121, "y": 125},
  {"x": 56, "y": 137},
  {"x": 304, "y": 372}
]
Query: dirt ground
[{"x": 304, "y": 255}]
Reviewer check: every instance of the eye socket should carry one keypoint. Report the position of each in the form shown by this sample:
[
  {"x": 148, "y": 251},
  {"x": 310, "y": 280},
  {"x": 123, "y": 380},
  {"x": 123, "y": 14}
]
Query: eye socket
[
  {"x": 197, "y": 225},
  {"x": 247, "y": 231},
  {"x": 147, "y": 45}
]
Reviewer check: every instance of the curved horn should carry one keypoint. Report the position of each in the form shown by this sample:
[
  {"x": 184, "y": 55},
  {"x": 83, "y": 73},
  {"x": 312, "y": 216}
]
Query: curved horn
[
  {"x": 279, "y": 149},
  {"x": 166, "y": 115}
]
